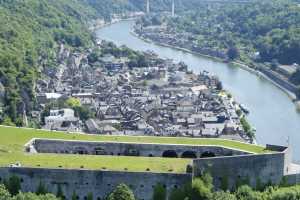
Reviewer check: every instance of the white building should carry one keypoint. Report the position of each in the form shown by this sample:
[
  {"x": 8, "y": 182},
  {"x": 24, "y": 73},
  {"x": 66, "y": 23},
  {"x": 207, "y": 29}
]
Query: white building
[{"x": 62, "y": 120}]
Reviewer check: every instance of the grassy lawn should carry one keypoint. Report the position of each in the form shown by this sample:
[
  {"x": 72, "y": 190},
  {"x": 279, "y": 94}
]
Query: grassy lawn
[{"x": 12, "y": 142}]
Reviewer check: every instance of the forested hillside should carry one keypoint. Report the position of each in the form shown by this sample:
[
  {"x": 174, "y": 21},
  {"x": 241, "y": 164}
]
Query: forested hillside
[
  {"x": 31, "y": 31},
  {"x": 30, "y": 34},
  {"x": 269, "y": 27}
]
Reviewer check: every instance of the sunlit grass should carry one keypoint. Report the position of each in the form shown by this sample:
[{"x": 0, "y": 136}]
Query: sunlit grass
[{"x": 12, "y": 141}]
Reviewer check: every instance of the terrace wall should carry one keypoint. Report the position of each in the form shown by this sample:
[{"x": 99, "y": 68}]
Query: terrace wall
[
  {"x": 129, "y": 149},
  {"x": 99, "y": 183},
  {"x": 251, "y": 169},
  {"x": 293, "y": 179}
]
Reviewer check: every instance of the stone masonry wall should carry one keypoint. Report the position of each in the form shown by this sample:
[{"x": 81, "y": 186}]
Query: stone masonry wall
[
  {"x": 252, "y": 169},
  {"x": 131, "y": 149},
  {"x": 99, "y": 183},
  {"x": 293, "y": 179}
]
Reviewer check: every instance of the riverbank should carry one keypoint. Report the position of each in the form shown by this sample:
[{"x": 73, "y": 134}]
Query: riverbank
[
  {"x": 272, "y": 113},
  {"x": 94, "y": 27},
  {"x": 260, "y": 74},
  {"x": 243, "y": 66}
]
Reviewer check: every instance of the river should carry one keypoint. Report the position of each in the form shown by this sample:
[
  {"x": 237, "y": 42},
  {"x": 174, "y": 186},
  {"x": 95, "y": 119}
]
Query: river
[{"x": 272, "y": 113}]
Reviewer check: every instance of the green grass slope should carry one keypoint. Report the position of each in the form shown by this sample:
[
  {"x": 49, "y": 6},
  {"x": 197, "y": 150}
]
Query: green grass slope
[{"x": 12, "y": 141}]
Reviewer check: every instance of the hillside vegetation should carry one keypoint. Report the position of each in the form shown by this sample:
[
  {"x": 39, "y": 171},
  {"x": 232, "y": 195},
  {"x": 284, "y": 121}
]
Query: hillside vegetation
[
  {"x": 269, "y": 27},
  {"x": 31, "y": 32},
  {"x": 260, "y": 32}
]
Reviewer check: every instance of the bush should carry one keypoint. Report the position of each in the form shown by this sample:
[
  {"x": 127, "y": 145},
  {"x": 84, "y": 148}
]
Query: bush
[
  {"x": 246, "y": 193},
  {"x": 59, "y": 193},
  {"x": 90, "y": 196},
  {"x": 189, "y": 169},
  {"x": 41, "y": 189},
  {"x": 177, "y": 194},
  {"x": 201, "y": 190},
  {"x": 83, "y": 112},
  {"x": 74, "y": 196},
  {"x": 233, "y": 53},
  {"x": 247, "y": 128},
  {"x": 224, "y": 183},
  {"x": 73, "y": 102},
  {"x": 4, "y": 194},
  {"x": 159, "y": 192},
  {"x": 122, "y": 192},
  {"x": 13, "y": 185},
  {"x": 224, "y": 196}
]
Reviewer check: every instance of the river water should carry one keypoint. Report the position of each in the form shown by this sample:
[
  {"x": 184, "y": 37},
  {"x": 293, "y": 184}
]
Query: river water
[{"x": 272, "y": 113}]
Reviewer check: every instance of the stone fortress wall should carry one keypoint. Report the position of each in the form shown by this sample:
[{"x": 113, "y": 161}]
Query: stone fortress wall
[
  {"x": 99, "y": 183},
  {"x": 253, "y": 169},
  {"x": 128, "y": 149},
  {"x": 228, "y": 165}
]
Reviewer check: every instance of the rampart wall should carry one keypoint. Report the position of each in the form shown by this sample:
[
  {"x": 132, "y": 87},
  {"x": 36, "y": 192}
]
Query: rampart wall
[
  {"x": 229, "y": 171},
  {"x": 129, "y": 149},
  {"x": 248, "y": 169},
  {"x": 99, "y": 183}
]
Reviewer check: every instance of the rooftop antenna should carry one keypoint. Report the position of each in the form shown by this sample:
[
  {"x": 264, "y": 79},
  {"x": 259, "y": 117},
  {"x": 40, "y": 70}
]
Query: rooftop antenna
[
  {"x": 173, "y": 8},
  {"x": 288, "y": 141},
  {"x": 148, "y": 6}
]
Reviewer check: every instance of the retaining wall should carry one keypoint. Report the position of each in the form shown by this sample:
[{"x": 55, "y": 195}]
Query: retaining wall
[
  {"x": 128, "y": 149},
  {"x": 250, "y": 169},
  {"x": 293, "y": 179},
  {"x": 99, "y": 183},
  {"x": 283, "y": 83}
]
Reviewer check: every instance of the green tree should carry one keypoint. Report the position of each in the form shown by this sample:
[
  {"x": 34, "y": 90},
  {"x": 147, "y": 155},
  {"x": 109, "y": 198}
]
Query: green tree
[
  {"x": 14, "y": 185},
  {"x": 31, "y": 196},
  {"x": 41, "y": 189},
  {"x": 200, "y": 190},
  {"x": 246, "y": 193},
  {"x": 83, "y": 113},
  {"x": 4, "y": 194},
  {"x": 59, "y": 192},
  {"x": 159, "y": 192},
  {"x": 178, "y": 194},
  {"x": 122, "y": 192},
  {"x": 208, "y": 180},
  {"x": 224, "y": 183},
  {"x": 73, "y": 102},
  {"x": 233, "y": 53},
  {"x": 74, "y": 196},
  {"x": 8, "y": 122},
  {"x": 284, "y": 193},
  {"x": 223, "y": 196},
  {"x": 90, "y": 196},
  {"x": 247, "y": 128}
]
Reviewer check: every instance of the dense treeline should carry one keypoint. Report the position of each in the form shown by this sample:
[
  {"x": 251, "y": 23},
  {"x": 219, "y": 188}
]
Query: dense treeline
[
  {"x": 200, "y": 189},
  {"x": 30, "y": 32},
  {"x": 121, "y": 192},
  {"x": 271, "y": 28},
  {"x": 106, "y": 8}
]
